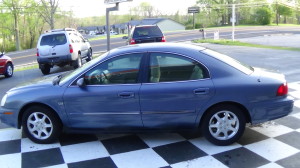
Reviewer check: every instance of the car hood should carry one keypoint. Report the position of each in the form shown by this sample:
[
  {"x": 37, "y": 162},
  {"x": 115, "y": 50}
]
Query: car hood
[{"x": 45, "y": 81}]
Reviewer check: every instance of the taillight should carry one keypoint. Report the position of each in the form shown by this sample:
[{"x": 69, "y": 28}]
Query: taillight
[
  {"x": 37, "y": 52},
  {"x": 132, "y": 41},
  {"x": 163, "y": 39},
  {"x": 70, "y": 48},
  {"x": 282, "y": 90}
]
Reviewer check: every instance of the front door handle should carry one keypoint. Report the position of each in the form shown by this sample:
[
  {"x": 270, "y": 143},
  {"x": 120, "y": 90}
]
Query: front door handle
[
  {"x": 201, "y": 91},
  {"x": 126, "y": 95}
]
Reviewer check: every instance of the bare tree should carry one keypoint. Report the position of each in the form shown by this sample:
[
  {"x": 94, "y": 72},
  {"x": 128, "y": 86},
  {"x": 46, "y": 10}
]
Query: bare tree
[{"x": 48, "y": 10}]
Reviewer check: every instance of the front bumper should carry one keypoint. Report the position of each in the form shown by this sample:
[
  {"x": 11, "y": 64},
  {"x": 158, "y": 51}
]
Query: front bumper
[
  {"x": 270, "y": 110},
  {"x": 9, "y": 117}
]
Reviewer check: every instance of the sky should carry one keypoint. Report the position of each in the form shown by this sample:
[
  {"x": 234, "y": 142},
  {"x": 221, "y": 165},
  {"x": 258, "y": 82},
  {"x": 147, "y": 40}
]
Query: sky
[{"x": 87, "y": 8}]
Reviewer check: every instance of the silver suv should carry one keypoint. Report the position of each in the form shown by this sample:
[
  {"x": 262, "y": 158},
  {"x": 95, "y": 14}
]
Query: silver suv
[{"x": 62, "y": 47}]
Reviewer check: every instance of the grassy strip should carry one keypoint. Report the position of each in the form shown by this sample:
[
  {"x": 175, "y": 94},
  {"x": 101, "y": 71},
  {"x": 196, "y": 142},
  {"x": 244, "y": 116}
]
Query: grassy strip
[
  {"x": 238, "y": 43},
  {"x": 271, "y": 25},
  {"x": 23, "y": 68},
  {"x": 101, "y": 37}
]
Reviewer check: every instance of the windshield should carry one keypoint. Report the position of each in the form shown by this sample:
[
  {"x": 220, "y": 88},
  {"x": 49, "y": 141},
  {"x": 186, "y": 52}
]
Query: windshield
[
  {"x": 76, "y": 72},
  {"x": 230, "y": 61}
]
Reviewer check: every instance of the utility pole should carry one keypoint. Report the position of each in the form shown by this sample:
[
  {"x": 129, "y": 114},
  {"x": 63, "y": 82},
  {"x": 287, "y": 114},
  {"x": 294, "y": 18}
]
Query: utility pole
[
  {"x": 107, "y": 17},
  {"x": 108, "y": 25},
  {"x": 233, "y": 20}
]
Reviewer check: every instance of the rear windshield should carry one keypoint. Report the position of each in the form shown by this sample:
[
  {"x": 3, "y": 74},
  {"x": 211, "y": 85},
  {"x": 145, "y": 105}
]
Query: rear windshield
[
  {"x": 53, "y": 39},
  {"x": 147, "y": 31},
  {"x": 230, "y": 61}
]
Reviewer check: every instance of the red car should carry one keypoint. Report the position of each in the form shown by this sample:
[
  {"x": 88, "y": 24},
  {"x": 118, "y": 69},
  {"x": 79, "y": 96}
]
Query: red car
[{"x": 6, "y": 66}]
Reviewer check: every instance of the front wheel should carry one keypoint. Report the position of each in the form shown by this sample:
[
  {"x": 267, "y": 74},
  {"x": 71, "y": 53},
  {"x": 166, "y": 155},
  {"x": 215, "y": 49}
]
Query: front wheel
[
  {"x": 9, "y": 70},
  {"x": 41, "y": 125},
  {"x": 223, "y": 125}
]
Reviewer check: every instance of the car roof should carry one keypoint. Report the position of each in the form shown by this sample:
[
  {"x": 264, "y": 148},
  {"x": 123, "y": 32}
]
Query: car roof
[
  {"x": 57, "y": 31},
  {"x": 146, "y": 26},
  {"x": 167, "y": 47}
]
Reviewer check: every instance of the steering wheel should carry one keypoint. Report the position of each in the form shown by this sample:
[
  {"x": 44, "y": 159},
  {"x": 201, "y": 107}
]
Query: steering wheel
[{"x": 105, "y": 76}]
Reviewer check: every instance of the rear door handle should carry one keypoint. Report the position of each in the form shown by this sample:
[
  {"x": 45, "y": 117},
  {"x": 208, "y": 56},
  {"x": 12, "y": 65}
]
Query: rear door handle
[
  {"x": 201, "y": 91},
  {"x": 126, "y": 95}
]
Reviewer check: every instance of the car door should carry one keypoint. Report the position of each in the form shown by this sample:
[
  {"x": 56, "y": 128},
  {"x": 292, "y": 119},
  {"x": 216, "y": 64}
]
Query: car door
[
  {"x": 176, "y": 90},
  {"x": 110, "y": 98},
  {"x": 84, "y": 46}
]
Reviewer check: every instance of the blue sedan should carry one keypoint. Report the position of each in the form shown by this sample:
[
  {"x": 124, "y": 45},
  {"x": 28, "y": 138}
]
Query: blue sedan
[{"x": 161, "y": 86}]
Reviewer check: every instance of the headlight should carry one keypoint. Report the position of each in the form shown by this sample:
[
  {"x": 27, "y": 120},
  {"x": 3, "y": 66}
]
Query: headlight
[{"x": 3, "y": 100}]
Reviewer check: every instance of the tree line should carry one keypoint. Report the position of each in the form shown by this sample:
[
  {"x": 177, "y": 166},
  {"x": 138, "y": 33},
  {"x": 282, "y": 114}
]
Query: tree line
[{"x": 22, "y": 21}]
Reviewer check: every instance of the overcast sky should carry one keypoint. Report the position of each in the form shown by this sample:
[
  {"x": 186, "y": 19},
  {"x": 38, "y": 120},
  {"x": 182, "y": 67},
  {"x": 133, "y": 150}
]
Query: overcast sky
[{"x": 86, "y": 8}]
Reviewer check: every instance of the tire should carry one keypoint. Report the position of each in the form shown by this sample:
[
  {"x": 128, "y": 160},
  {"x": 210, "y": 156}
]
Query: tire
[
  {"x": 45, "y": 69},
  {"x": 78, "y": 62},
  {"x": 223, "y": 125},
  {"x": 9, "y": 70},
  {"x": 89, "y": 55},
  {"x": 41, "y": 125}
]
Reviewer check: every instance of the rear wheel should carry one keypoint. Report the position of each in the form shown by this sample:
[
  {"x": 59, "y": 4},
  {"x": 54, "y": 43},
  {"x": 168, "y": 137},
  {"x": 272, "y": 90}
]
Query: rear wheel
[
  {"x": 9, "y": 70},
  {"x": 223, "y": 125},
  {"x": 41, "y": 125},
  {"x": 78, "y": 62},
  {"x": 89, "y": 55},
  {"x": 45, "y": 69}
]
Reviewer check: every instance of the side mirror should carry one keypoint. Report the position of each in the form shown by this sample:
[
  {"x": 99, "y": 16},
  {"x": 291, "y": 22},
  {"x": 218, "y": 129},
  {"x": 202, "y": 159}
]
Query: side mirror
[{"x": 80, "y": 82}]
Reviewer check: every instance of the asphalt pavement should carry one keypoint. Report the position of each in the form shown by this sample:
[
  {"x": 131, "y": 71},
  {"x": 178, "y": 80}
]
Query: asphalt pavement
[{"x": 282, "y": 40}]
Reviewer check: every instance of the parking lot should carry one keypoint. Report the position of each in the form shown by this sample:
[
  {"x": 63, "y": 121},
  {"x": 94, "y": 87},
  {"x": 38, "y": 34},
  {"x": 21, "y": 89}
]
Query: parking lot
[{"x": 272, "y": 144}]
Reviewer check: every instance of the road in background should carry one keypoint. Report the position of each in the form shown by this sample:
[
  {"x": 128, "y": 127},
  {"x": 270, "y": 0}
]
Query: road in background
[{"x": 29, "y": 56}]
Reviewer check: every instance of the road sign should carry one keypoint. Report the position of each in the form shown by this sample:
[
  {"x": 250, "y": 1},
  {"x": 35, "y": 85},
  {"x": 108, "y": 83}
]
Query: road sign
[
  {"x": 193, "y": 9},
  {"x": 115, "y": 1}
]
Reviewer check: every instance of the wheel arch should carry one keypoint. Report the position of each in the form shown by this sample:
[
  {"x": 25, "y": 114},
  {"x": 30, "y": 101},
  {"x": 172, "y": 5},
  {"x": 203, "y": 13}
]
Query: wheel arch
[
  {"x": 240, "y": 106},
  {"x": 24, "y": 108}
]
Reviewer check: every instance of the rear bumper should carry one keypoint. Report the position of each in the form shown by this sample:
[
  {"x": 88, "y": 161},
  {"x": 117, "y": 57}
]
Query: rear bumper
[
  {"x": 266, "y": 111},
  {"x": 55, "y": 60}
]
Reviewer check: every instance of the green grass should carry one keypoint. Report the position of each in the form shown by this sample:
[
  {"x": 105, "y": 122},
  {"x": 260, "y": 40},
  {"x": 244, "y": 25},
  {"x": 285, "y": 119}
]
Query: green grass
[
  {"x": 101, "y": 37},
  {"x": 23, "y": 68},
  {"x": 238, "y": 43}
]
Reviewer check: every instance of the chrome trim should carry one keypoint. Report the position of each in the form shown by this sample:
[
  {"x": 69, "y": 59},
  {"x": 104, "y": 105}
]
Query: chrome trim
[
  {"x": 148, "y": 83},
  {"x": 108, "y": 85},
  {"x": 112, "y": 113},
  {"x": 164, "y": 112},
  {"x": 2, "y": 66}
]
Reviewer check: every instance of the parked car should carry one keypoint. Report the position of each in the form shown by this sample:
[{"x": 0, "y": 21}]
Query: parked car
[
  {"x": 6, "y": 65},
  {"x": 145, "y": 34},
  {"x": 62, "y": 47},
  {"x": 161, "y": 86}
]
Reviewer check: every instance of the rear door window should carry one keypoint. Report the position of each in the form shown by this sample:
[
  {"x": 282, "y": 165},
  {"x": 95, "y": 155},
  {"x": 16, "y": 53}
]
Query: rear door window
[
  {"x": 166, "y": 67},
  {"x": 53, "y": 39}
]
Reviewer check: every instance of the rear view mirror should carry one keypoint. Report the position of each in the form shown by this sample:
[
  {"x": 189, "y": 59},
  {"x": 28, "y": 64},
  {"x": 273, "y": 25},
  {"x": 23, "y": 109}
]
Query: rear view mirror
[{"x": 80, "y": 82}]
